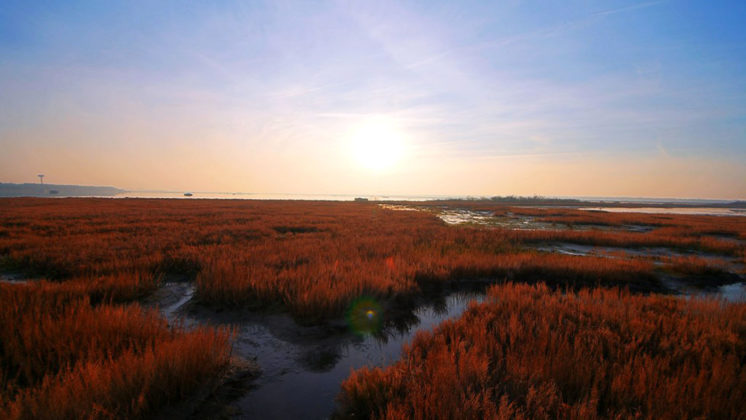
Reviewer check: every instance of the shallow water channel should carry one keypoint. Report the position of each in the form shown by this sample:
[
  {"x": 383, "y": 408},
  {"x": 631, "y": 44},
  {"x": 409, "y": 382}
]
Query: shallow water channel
[
  {"x": 302, "y": 367},
  {"x": 734, "y": 292}
]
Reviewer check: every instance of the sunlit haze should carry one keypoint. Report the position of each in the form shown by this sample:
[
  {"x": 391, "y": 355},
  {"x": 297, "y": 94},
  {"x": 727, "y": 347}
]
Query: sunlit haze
[
  {"x": 573, "y": 98},
  {"x": 377, "y": 144}
]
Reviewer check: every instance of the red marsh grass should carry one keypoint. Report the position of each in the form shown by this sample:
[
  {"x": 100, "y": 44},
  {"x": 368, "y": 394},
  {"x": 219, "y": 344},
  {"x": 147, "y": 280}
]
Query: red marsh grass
[
  {"x": 62, "y": 358},
  {"x": 532, "y": 353},
  {"x": 73, "y": 346},
  {"x": 313, "y": 258}
]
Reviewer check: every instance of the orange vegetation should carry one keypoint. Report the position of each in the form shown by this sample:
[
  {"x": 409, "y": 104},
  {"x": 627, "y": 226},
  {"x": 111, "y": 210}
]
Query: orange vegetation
[
  {"x": 693, "y": 226},
  {"x": 62, "y": 358},
  {"x": 313, "y": 258},
  {"x": 532, "y": 353},
  {"x": 696, "y": 266},
  {"x": 70, "y": 348},
  {"x": 718, "y": 234}
]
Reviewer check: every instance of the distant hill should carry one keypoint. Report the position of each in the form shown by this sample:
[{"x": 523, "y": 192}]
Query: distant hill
[{"x": 53, "y": 190}]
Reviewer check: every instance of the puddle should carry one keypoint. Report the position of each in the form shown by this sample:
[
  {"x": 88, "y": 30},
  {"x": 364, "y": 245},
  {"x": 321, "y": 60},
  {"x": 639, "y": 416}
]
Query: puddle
[
  {"x": 487, "y": 218},
  {"x": 303, "y": 367},
  {"x": 734, "y": 292},
  {"x": 514, "y": 221},
  {"x": 13, "y": 278},
  {"x": 638, "y": 228},
  {"x": 397, "y": 207},
  {"x": 459, "y": 216},
  {"x": 170, "y": 298},
  {"x": 568, "y": 249},
  {"x": 658, "y": 254},
  {"x": 612, "y": 251}
]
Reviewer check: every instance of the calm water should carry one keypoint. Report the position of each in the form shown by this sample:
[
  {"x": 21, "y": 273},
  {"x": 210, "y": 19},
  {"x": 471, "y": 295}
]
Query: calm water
[
  {"x": 302, "y": 367},
  {"x": 711, "y": 211},
  {"x": 266, "y": 196},
  {"x": 735, "y": 292},
  {"x": 301, "y": 378}
]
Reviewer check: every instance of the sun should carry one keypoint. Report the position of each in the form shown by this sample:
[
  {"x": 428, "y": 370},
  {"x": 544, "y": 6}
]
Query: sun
[{"x": 377, "y": 144}]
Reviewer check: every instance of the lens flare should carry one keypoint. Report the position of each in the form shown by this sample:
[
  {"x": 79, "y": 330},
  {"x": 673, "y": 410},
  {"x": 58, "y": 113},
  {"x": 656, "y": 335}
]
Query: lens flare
[{"x": 365, "y": 316}]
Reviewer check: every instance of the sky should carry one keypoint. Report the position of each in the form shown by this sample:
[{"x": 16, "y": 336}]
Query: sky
[{"x": 555, "y": 98}]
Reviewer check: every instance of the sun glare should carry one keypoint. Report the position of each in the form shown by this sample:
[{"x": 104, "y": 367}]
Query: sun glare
[{"x": 377, "y": 144}]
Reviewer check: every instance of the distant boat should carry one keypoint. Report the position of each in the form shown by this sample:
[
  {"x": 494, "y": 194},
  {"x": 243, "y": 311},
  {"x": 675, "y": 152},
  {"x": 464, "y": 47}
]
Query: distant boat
[
  {"x": 187, "y": 194},
  {"x": 54, "y": 192}
]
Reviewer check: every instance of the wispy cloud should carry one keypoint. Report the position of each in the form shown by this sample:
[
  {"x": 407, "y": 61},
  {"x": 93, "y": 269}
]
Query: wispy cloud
[{"x": 281, "y": 82}]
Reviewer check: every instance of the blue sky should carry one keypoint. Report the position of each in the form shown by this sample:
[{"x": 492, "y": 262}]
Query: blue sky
[{"x": 510, "y": 97}]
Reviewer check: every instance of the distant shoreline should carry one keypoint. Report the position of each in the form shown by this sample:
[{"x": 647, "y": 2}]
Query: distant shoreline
[
  {"x": 9, "y": 190},
  {"x": 56, "y": 190}
]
